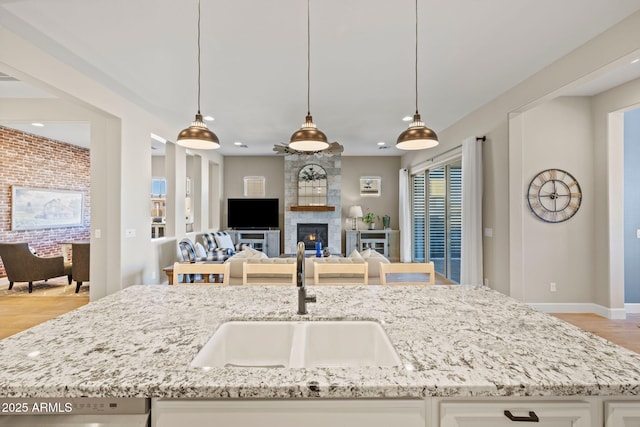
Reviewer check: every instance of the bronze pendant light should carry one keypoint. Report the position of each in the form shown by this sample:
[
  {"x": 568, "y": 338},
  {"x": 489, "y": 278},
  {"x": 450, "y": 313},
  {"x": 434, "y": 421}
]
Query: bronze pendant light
[
  {"x": 308, "y": 137},
  {"x": 418, "y": 136},
  {"x": 198, "y": 136}
]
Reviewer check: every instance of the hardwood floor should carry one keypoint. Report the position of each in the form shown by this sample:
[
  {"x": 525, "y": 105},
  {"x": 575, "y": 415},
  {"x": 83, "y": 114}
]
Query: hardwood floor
[
  {"x": 625, "y": 333},
  {"x": 18, "y": 313}
]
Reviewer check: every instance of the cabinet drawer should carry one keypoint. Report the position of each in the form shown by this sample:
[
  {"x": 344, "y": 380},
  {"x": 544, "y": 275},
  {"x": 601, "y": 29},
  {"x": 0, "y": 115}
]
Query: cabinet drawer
[
  {"x": 282, "y": 413},
  {"x": 515, "y": 413},
  {"x": 622, "y": 414}
]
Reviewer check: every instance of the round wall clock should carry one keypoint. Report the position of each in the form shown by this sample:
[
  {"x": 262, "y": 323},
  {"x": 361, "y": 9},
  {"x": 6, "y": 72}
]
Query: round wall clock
[{"x": 554, "y": 195}]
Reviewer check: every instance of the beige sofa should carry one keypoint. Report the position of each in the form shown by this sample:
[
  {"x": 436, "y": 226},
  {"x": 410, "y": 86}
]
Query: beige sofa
[{"x": 249, "y": 255}]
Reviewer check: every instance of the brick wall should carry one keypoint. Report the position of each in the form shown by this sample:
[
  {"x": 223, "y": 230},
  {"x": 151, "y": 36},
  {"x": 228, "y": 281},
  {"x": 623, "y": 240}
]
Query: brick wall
[{"x": 28, "y": 160}]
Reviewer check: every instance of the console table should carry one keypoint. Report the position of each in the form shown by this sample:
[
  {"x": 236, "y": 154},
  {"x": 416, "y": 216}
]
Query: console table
[{"x": 386, "y": 242}]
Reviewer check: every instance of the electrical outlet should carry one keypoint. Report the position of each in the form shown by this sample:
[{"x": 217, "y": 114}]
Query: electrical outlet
[
  {"x": 486, "y": 281},
  {"x": 552, "y": 287},
  {"x": 97, "y": 233},
  {"x": 153, "y": 274}
]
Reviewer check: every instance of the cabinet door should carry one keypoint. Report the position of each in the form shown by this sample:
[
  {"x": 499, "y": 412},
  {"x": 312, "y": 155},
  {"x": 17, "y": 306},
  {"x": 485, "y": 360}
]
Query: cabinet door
[
  {"x": 273, "y": 244},
  {"x": 622, "y": 414},
  {"x": 515, "y": 413},
  {"x": 282, "y": 413},
  {"x": 351, "y": 238}
]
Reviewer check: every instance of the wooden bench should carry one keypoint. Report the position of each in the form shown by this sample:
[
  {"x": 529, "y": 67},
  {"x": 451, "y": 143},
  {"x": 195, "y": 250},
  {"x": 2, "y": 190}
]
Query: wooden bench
[
  {"x": 408, "y": 268},
  {"x": 338, "y": 272}
]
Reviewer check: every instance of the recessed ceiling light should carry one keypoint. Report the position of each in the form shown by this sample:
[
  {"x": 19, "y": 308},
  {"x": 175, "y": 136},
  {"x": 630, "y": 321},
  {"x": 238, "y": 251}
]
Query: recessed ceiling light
[
  {"x": 37, "y": 124},
  {"x": 407, "y": 118},
  {"x": 209, "y": 118},
  {"x": 237, "y": 143},
  {"x": 635, "y": 61},
  {"x": 381, "y": 143}
]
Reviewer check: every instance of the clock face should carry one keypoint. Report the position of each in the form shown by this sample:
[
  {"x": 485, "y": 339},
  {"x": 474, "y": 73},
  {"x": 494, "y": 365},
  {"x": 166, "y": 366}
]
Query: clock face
[{"x": 554, "y": 195}]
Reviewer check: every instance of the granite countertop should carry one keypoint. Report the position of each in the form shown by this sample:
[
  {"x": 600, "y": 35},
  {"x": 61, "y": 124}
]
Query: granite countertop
[{"x": 456, "y": 341}]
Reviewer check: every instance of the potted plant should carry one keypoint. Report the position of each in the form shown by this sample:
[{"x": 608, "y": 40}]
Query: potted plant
[{"x": 370, "y": 218}]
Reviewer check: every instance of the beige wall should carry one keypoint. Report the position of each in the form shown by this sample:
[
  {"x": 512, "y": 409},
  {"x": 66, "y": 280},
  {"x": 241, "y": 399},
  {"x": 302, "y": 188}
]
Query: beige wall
[
  {"x": 353, "y": 167},
  {"x": 237, "y": 167},
  {"x": 559, "y": 134},
  {"x": 608, "y": 178}
]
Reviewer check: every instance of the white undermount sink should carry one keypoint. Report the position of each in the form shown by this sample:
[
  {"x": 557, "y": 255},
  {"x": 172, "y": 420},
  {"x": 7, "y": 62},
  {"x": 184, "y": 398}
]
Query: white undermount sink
[{"x": 297, "y": 344}]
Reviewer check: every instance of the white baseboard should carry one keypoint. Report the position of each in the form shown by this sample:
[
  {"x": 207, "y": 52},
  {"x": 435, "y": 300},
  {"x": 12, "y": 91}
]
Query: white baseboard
[
  {"x": 609, "y": 313},
  {"x": 632, "y": 308}
]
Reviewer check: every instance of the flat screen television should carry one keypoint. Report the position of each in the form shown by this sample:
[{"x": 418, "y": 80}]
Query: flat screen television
[{"x": 252, "y": 213}]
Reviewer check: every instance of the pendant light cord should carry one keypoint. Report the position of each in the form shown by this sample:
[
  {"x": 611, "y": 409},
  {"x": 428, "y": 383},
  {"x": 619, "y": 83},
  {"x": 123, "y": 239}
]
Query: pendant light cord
[
  {"x": 308, "y": 57},
  {"x": 416, "y": 56},
  {"x": 198, "y": 56}
]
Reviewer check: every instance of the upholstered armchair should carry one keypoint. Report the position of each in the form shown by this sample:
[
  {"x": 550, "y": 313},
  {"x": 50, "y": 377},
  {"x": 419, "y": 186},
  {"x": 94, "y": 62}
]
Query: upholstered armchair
[
  {"x": 22, "y": 265},
  {"x": 80, "y": 263}
]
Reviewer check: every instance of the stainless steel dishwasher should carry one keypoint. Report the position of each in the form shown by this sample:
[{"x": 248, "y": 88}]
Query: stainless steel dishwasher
[{"x": 76, "y": 412}]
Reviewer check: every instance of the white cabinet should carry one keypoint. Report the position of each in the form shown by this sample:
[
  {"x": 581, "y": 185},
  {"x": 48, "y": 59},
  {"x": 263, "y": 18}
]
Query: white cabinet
[
  {"x": 386, "y": 242},
  {"x": 267, "y": 241},
  {"x": 284, "y": 413},
  {"x": 622, "y": 414},
  {"x": 510, "y": 413}
]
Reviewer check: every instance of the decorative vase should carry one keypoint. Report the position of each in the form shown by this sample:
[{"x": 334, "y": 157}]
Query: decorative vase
[
  {"x": 386, "y": 221},
  {"x": 372, "y": 226},
  {"x": 318, "y": 250}
]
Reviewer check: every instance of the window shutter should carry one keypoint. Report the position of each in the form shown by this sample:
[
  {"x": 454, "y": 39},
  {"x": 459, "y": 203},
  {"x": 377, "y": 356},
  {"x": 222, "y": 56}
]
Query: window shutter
[{"x": 418, "y": 200}]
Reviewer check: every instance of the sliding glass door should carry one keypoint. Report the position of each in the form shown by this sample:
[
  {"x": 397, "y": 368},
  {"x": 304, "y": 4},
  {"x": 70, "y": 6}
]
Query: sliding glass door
[{"x": 437, "y": 218}]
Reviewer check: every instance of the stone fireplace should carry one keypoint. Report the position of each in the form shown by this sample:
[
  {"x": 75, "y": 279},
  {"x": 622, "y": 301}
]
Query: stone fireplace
[
  {"x": 311, "y": 234},
  {"x": 331, "y": 219}
]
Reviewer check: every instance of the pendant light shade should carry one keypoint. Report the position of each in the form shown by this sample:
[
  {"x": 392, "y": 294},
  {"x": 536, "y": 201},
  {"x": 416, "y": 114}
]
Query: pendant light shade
[
  {"x": 198, "y": 136},
  {"x": 418, "y": 136},
  {"x": 308, "y": 138}
]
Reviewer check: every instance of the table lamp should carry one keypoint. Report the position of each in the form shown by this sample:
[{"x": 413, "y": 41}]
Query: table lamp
[{"x": 355, "y": 212}]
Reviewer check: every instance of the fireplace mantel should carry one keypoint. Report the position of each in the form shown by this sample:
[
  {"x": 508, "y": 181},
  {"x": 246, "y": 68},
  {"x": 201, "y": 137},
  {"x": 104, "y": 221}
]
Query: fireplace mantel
[{"x": 313, "y": 208}]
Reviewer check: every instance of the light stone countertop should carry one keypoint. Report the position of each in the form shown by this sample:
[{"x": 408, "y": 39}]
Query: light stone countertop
[{"x": 460, "y": 341}]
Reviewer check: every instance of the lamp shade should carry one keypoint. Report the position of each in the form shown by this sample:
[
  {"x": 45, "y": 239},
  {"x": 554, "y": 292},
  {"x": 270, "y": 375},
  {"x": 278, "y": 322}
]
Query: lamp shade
[
  {"x": 417, "y": 137},
  {"x": 198, "y": 136},
  {"x": 308, "y": 137},
  {"x": 355, "y": 212}
]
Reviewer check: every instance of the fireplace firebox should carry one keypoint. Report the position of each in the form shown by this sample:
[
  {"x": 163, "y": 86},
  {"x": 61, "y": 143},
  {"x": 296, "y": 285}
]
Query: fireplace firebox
[{"x": 310, "y": 234}]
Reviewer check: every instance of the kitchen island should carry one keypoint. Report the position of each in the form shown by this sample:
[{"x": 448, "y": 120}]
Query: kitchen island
[{"x": 453, "y": 341}]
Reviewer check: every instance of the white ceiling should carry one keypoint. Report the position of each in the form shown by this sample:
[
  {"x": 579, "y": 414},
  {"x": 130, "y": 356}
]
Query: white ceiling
[{"x": 362, "y": 58}]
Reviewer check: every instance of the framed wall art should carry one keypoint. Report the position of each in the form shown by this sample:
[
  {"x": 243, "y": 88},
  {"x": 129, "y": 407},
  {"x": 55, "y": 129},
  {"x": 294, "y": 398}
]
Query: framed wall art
[
  {"x": 36, "y": 208},
  {"x": 370, "y": 186}
]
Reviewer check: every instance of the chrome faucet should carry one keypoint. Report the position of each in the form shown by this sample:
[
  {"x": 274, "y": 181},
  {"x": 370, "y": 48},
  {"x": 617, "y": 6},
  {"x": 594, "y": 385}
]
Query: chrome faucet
[{"x": 303, "y": 299}]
